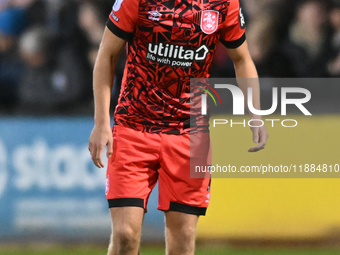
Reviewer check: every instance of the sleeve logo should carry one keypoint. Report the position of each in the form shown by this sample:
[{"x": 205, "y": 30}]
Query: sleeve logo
[
  {"x": 115, "y": 18},
  {"x": 242, "y": 20},
  {"x": 117, "y": 5},
  {"x": 209, "y": 21}
]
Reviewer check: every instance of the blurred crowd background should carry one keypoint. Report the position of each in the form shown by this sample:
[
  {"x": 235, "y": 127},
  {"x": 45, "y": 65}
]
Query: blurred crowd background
[
  {"x": 48, "y": 48},
  {"x": 51, "y": 191}
]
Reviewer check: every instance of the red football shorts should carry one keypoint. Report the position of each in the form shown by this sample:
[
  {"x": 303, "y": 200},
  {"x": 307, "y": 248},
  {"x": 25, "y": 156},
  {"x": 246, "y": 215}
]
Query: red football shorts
[{"x": 140, "y": 159}]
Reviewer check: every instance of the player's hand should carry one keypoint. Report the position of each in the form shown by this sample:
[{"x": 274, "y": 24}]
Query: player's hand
[
  {"x": 100, "y": 137},
  {"x": 260, "y": 136}
]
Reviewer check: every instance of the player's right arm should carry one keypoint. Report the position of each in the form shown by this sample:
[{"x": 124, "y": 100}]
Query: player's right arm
[
  {"x": 103, "y": 74},
  {"x": 120, "y": 29}
]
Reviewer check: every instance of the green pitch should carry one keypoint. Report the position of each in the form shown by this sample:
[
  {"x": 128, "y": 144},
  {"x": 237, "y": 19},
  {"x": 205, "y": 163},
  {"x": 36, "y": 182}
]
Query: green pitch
[{"x": 150, "y": 250}]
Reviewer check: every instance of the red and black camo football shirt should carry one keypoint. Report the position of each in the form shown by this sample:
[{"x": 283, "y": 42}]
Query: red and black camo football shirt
[{"x": 169, "y": 42}]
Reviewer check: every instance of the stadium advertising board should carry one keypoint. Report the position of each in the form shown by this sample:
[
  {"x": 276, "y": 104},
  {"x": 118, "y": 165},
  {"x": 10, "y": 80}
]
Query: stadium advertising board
[{"x": 49, "y": 187}]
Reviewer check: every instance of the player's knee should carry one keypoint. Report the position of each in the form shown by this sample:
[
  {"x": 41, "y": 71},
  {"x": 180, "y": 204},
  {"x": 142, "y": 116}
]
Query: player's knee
[
  {"x": 184, "y": 233},
  {"x": 185, "y": 246},
  {"x": 126, "y": 239},
  {"x": 181, "y": 240}
]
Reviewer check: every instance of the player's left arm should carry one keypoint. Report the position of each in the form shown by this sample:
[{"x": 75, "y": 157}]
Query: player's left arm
[{"x": 246, "y": 75}]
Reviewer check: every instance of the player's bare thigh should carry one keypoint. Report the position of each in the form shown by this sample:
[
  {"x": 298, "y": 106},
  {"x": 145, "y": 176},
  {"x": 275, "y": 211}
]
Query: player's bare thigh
[
  {"x": 126, "y": 230},
  {"x": 180, "y": 231}
]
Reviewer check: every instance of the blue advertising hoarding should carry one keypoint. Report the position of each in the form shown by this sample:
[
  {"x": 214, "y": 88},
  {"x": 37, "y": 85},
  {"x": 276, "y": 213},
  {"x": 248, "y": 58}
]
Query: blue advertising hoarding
[{"x": 49, "y": 187}]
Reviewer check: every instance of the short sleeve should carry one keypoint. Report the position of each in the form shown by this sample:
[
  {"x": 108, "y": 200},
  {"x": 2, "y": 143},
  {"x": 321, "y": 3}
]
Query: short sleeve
[
  {"x": 233, "y": 31},
  {"x": 123, "y": 18}
]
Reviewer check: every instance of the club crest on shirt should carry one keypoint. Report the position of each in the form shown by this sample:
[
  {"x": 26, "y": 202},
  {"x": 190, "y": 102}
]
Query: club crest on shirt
[{"x": 209, "y": 21}]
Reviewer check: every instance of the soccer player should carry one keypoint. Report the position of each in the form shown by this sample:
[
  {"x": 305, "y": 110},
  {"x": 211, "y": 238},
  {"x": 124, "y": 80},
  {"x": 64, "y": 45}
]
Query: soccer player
[{"x": 168, "y": 42}]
